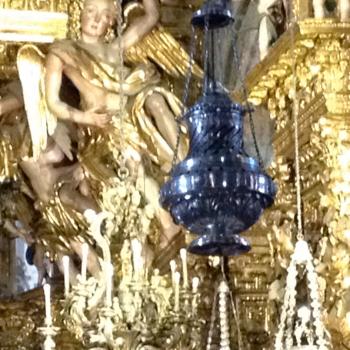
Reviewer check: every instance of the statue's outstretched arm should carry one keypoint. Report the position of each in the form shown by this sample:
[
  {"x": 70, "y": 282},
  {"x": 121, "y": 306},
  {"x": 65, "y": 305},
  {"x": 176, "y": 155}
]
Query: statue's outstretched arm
[
  {"x": 53, "y": 83},
  {"x": 139, "y": 28}
]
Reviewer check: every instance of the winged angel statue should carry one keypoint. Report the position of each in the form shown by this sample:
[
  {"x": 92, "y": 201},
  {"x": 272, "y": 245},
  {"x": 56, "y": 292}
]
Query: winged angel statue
[{"x": 97, "y": 106}]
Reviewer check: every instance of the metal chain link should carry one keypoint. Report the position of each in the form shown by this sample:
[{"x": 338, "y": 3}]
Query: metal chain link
[
  {"x": 245, "y": 96},
  {"x": 119, "y": 4},
  {"x": 233, "y": 305},
  {"x": 252, "y": 129},
  {"x": 185, "y": 96},
  {"x": 206, "y": 52}
]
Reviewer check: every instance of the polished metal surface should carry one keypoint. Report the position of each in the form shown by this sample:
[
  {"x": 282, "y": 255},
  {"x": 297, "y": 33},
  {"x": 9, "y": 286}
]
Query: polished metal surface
[
  {"x": 217, "y": 191},
  {"x": 214, "y": 13}
]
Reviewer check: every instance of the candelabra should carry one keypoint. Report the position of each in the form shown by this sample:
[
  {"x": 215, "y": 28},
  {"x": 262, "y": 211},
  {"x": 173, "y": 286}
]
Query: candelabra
[
  {"x": 135, "y": 307},
  {"x": 48, "y": 331},
  {"x": 148, "y": 306}
]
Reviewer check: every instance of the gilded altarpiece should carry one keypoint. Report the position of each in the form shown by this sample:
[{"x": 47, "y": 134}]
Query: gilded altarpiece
[{"x": 312, "y": 55}]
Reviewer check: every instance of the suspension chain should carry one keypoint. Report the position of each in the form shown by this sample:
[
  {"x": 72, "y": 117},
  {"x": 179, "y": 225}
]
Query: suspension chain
[
  {"x": 233, "y": 306},
  {"x": 295, "y": 113},
  {"x": 121, "y": 72},
  {"x": 185, "y": 96},
  {"x": 245, "y": 96}
]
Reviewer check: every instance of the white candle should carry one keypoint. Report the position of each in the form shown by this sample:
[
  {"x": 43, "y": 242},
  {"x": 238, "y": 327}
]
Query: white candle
[
  {"x": 183, "y": 255},
  {"x": 177, "y": 292},
  {"x": 65, "y": 262},
  {"x": 257, "y": 282},
  {"x": 84, "y": 259},
  {"x": 173, "y": 270},
  {"x": 136, "y": 248},
  {"x": 195, "y": 285},
  {"x": 47, "y": 293},
  {"x": 50, "y": 272},
  {"x": 109, "y": 284}
]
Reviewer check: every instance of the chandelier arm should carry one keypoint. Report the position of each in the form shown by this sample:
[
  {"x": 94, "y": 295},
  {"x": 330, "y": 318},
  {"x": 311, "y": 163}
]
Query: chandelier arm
[
  {"x": 287, "y": 311},
  {"x": 316, "y": 305},
  {"x": 290, "y": 312},
  {"x": 281, "y": 328}
]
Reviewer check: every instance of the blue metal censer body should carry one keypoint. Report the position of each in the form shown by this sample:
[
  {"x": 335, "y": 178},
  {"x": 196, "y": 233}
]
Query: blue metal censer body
[{"x": 218, "y": 191}]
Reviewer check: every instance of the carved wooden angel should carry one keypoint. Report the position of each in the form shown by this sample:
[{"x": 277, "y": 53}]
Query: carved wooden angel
[
  {"x": 271, "y": 24},
  {"x": 117, "y": 106}
]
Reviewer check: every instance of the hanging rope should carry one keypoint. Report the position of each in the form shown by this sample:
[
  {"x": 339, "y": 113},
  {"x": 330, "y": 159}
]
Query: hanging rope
[
  {"x": 295, "y": 113},
  {"x": 123, "y": 171}
]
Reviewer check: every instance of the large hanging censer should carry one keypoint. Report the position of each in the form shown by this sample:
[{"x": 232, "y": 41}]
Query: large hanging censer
[{"x": 218, "y": 191}]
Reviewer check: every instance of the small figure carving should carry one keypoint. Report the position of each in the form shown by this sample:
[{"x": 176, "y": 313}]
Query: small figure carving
[
  {"x": 271, "y": 25},
  {"x": 344, "y": 10},
  {"x": 126, "y": 262},
  {"x": 319, "y": 8}
]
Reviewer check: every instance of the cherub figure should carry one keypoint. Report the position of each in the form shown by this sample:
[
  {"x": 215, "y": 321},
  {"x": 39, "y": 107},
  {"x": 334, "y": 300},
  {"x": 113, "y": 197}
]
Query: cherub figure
[
  {"x": 15, "y": 141},
  {"x": 320, "y": 9},
  {"x": 13, "y": 134},
  {"x": 126, "y": 263},
  {"x": 271, "y": 25},
  {"x": 344, "y": 10}
]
